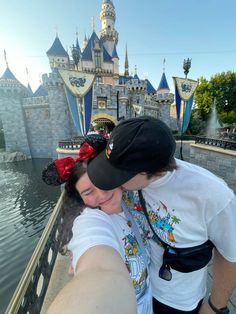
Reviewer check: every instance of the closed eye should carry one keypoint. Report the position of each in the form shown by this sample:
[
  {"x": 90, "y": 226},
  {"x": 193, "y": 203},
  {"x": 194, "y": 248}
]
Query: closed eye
[{"x": 86, "y": 192}]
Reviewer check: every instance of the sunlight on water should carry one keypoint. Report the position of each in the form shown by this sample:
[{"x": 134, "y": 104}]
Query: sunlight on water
[{"x": 25, "y": 205}]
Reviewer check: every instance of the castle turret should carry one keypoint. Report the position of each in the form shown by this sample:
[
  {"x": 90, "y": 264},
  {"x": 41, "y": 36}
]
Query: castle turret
[
  {"x": 12, "y": 115},
  {"x": 58, "y": 57},
  {"x": 108, "y": 34},
  {"x": 164, "y": 98}
]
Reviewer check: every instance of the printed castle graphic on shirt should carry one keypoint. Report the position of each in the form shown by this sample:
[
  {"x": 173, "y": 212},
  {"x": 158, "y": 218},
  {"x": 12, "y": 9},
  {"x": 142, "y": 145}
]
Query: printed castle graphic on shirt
[{"x": 162, "y": 219}]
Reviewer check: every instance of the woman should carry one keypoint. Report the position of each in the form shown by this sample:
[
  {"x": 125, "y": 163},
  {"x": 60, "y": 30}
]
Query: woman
[{"x": 102, "y": 242}]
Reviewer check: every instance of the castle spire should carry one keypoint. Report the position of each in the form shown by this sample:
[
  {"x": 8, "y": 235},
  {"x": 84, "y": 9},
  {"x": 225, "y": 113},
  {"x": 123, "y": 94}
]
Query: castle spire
[
  {"x": 5, "y": 57},
  {"x": 126, "y": 63},
  {"x": 108, "y": 34},
  {"x": 93, "y": 24},
  {"x": 164, "y": 64}
]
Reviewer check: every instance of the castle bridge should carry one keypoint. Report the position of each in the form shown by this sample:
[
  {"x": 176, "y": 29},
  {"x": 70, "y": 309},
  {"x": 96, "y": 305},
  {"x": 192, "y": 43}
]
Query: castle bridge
[{"x": 36, "y": 290}]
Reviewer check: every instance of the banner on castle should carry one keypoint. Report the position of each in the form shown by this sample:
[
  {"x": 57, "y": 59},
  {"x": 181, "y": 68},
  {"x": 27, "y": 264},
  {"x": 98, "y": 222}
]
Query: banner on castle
[
  {"x": 79, "y": 83},
  {"x": 184, "y": 94},
  {"x": 79, "y": 92}
]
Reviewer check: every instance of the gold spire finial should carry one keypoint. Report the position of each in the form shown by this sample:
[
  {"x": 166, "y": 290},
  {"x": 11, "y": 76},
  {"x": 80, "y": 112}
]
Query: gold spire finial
[
  {"x": 135, "y": 69},
  {"x": 93, "y": 24},
  {"x": 56, "y": 30},
  {"x": 27, "y": 74},
  {"x": 5, "y": 57},
  {"x": 164, "y": 64},
  {"x": 126, "y": 62}
]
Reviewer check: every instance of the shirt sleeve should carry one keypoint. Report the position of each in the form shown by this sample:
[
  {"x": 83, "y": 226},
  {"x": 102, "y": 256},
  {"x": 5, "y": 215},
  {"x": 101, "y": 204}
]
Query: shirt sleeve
[
  {"x": 222, "y": 231},
  {"x": 93, "y": 227}
]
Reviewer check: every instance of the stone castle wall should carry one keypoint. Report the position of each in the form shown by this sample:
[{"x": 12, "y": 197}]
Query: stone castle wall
[
  {"x": 35, "y": 125},
  {"x": 13, "y": 118}
]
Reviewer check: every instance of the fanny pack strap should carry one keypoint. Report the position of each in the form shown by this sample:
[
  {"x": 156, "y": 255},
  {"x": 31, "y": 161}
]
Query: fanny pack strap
[
  {"x": 136, "y": 232},
  {"x": 156, "y": 238}
]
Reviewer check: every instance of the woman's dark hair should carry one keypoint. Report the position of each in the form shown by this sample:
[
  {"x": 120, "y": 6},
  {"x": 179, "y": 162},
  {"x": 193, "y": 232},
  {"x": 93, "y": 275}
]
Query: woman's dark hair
[
  {"x": 71, "y": 207},
  {"x": 70, "y": 171}
]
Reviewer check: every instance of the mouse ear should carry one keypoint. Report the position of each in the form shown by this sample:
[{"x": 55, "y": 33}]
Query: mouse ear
[{"x": 58, "y": 171}]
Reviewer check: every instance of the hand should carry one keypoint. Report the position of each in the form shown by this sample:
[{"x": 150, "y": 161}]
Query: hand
[{"x": 205, "y": 309}]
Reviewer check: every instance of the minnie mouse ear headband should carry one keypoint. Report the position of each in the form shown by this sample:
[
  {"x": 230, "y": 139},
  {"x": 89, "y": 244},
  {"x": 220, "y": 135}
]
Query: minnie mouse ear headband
[{"x": 58, "y": 171}]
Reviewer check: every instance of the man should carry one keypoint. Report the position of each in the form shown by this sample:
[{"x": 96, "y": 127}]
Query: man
[{"x": 186, "y": 206}]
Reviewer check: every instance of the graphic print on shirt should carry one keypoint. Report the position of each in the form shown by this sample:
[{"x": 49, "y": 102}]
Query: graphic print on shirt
[
  {"x": 163, "y": 221},
  {"x": 134, "y": 263}
]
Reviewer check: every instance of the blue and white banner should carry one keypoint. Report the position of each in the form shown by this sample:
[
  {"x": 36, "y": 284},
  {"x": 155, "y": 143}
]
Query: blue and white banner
[
  {"x": 79, "y": 93},
  {"x": 184, "y": 94}
]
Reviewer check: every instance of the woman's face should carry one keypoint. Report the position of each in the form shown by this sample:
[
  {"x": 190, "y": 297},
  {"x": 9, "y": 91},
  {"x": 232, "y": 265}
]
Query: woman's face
[{"x": 108, "y": 201}]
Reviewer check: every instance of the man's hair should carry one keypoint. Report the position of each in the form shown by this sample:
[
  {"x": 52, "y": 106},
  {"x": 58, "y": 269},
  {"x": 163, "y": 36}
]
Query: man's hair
[{"x": 170, "y": 167}]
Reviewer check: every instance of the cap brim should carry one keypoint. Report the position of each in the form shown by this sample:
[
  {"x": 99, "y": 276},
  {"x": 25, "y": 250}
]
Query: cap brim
[{"x": 105, "y": 176}]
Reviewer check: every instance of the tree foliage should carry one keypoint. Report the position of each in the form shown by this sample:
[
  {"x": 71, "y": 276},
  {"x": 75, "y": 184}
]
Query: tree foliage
[{"x": 221, "y": 90}]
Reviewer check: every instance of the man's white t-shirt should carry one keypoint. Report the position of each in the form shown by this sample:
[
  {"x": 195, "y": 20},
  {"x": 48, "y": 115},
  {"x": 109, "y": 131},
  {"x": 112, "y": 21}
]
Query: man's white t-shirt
[
  {"x": 186, "y": 208},
  {"x": 94, "y": 227}
]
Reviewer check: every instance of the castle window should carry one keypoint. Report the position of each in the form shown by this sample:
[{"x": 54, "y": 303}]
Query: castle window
[
  {"x": 102, "y": 102},
  {"x": 97, "y": 56},
  {"x": 98, "y": 79}
]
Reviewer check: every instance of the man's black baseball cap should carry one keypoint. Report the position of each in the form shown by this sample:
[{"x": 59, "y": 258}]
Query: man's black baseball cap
[{"x": 142, "y": 144}]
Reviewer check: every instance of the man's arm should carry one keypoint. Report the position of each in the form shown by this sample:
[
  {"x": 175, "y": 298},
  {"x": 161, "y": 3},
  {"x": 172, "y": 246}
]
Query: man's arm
[
  {"x": 101, "y": 285},
  {"x": 224, "y": 281}
]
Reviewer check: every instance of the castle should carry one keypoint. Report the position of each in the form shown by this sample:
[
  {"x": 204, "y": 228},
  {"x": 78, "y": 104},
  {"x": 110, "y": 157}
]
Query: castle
[{"x": 34, "y": 123}]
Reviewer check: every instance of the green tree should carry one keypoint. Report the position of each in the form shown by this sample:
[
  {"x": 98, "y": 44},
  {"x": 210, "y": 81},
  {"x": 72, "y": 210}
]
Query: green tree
[{"x": 221, "y": 89}]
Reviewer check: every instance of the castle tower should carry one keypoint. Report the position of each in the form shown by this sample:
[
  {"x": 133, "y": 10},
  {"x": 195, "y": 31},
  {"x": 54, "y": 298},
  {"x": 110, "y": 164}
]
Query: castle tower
[
  {"x": 108, "y": 34},
  {"x": 12, "y": 114},
  {"x": 58, "y": 57},
  {"x": 164, "y": 97}
]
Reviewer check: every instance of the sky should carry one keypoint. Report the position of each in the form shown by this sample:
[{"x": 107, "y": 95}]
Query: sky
[{"x": 154, "y": 30}]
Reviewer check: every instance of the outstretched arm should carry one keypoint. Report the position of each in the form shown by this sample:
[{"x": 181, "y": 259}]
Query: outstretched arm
[
  {"x": 101, "y": 285},
  {"x": 224, "y": 281}
]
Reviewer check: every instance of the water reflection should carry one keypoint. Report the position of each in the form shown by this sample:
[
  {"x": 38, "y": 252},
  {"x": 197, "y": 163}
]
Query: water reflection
[{"x": 25, "y": 206}]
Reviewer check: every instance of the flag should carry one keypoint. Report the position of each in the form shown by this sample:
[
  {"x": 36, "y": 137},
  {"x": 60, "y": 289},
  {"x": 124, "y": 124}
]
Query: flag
[{"x": 184, "y": 92}]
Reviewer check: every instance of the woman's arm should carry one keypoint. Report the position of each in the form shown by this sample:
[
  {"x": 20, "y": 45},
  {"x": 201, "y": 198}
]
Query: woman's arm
[{"x": 101, "y": 285}]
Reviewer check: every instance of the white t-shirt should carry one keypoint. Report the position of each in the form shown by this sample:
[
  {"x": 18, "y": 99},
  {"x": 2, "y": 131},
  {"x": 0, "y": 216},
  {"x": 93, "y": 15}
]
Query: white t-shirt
[
  {"x": 94, "y": 227},
  {"x": 187, "y": 207}
]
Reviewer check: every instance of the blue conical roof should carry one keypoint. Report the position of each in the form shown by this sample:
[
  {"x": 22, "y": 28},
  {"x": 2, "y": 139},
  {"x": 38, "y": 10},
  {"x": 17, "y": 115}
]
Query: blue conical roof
[
  {"x": 136, "y": 77},
  {"x": 114, "y": 53},
  {"x": 150, "y": 88},
  {"x": 106, "y": 56},
  {"x": 57, "y": 49},
  {"x": 77, "y": 46},
  {"x": 41, "y": 91},
  {"x": 30, "y": 89},
  {"x": 87, "y": 53},
  {"x": 8, "y": 75},
  {"x": 163, "y": 83}
]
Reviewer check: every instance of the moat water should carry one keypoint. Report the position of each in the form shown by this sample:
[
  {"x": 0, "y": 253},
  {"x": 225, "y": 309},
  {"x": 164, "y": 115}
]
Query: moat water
[{"x": 25, "y": 206}]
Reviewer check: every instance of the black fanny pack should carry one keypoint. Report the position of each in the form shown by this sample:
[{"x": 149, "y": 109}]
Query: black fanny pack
[
  {"x": 188, "y": 259},
  {"x": 184, "y": 260}
]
